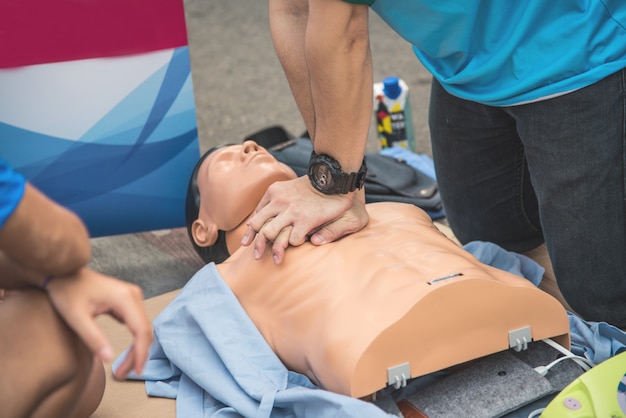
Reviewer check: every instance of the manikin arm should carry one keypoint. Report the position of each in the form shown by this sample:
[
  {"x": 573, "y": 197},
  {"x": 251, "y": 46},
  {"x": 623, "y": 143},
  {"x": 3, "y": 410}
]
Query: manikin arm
[{"x": 323, "y": 46}]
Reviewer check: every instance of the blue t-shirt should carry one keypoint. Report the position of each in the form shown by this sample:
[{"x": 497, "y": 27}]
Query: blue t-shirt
[
  {"x": 12, "y": 186},
  {"x": 501, "y": 52}
]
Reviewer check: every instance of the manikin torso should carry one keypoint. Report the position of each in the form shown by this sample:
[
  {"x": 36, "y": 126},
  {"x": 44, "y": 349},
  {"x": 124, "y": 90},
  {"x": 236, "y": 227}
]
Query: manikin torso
[{"x": 396, "y": 292}]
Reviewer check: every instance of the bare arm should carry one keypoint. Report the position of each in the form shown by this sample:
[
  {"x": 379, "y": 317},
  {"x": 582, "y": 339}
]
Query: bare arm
[
  {"x": 323, "y": 46},
  {"x": 41, "y": 238},
  {"x": 340, "y": 65},
  {"x": 288, "y": 25},
  {"x": 324, "y": 49}
]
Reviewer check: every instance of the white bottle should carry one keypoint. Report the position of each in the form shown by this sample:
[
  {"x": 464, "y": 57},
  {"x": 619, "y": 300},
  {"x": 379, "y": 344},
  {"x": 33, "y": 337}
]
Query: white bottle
[{"x": 392, "y": 110}]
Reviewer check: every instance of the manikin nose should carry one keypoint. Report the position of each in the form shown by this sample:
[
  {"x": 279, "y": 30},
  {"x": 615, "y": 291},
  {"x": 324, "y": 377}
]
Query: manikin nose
[{"x": 249, "y": 146}]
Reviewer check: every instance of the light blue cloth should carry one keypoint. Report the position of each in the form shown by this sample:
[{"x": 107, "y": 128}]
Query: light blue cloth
[
  {"x": 502, "y": 53},
  {"x": 210, "y": 357},
  {"x": 420, "y": 162},
  {"x": 597, "y": 341}
]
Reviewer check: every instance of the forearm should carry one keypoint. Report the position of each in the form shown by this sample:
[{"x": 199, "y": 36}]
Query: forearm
[
  {"x": 324, "y": 50},
  {"x": 340, "y": 67},
  {"x": 43, "y": 237},
  {"x": 288, "y": 22}
]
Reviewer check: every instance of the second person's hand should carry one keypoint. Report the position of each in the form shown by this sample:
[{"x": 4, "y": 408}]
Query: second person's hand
[{"x": 81, "y": 297}]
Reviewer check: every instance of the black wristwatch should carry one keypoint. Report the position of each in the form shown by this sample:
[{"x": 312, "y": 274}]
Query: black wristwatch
[{"x": 327, "y": 176}]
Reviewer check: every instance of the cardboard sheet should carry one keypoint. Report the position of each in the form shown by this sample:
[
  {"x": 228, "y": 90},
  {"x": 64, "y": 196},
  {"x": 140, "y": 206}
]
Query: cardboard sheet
[{"x": 128, "y": 398}]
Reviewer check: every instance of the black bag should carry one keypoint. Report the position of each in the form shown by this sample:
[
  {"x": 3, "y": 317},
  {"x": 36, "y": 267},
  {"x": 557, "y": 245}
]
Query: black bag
[{"x": 387, "y": 180}]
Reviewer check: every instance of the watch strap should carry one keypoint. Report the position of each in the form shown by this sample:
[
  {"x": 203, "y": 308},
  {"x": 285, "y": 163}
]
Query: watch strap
[{"x": 343, "y": 182}]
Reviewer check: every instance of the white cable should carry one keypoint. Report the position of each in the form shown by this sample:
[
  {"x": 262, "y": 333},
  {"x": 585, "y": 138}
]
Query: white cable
[
  {"x": 536, "y": 412},
  {"x": 583, "y": 362},
  {"x": 557, "y": 346},
  {"x": 543, "y": 370}
]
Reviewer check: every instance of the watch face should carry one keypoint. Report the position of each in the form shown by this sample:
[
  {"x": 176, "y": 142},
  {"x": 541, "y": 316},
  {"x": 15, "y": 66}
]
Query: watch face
[{"x": 323, "y": 176}]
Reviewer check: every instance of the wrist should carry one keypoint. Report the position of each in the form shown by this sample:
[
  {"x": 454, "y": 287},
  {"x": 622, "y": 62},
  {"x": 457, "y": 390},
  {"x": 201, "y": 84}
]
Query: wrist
[
  {"x": 327, "y": 175},
  {"x": 359, "y": 195}
]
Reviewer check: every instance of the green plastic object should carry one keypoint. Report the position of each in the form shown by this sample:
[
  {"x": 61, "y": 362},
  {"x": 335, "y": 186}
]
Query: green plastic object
[{"x": 599, "y": 392}]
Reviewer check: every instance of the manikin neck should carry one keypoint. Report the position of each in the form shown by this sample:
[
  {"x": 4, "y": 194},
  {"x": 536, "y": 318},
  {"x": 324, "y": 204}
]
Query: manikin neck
[{"x": 234, "y": 236}]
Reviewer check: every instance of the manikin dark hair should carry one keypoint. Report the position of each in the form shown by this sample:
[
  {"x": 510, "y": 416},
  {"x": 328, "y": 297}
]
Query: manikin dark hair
[{"x": 217, "y": 252}]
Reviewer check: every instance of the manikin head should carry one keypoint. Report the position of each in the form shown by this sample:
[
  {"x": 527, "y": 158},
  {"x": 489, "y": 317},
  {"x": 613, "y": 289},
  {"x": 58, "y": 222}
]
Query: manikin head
[{"x": 225, "y": 187}]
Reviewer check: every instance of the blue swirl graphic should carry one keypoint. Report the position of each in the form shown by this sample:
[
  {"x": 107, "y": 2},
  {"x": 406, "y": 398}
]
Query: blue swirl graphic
[{"x": 129, "y": 172}]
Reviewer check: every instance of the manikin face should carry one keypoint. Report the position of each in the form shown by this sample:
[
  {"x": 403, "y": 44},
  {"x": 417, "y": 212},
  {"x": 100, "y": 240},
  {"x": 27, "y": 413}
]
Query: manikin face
[{"x": 232, "y": 180}]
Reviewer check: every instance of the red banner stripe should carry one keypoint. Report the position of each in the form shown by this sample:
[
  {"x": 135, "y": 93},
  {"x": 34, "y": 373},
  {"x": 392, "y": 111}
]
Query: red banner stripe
[{"x": 43, "y": 31}]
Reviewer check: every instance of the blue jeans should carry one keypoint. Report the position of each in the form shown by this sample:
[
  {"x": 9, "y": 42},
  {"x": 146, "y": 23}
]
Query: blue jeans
[{"x": 553, "y": 170}]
